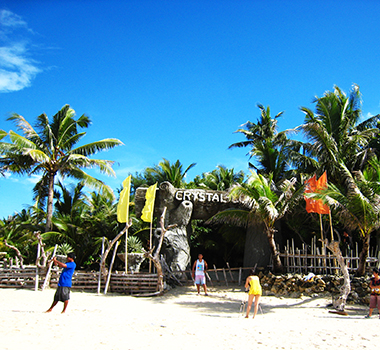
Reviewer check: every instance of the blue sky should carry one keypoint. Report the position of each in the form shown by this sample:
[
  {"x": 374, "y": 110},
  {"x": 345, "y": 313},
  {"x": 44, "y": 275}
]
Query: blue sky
[{"x": 175, "y": 79}]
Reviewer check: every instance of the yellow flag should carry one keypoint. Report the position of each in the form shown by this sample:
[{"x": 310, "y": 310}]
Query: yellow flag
[
  {"x": 123, "y": 205},
  {"x": 150, "y": 196}
]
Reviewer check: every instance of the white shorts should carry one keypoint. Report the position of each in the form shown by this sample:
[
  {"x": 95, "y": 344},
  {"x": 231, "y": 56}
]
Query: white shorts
[{"x": 199, "y": 279}]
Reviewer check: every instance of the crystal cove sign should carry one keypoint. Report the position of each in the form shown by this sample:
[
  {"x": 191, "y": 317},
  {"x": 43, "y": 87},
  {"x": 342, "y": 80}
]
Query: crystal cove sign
[{"x": 202, "y": 196}]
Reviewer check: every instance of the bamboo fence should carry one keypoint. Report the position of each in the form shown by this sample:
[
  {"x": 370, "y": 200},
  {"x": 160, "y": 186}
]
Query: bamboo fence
[
  {"x": 302, "y": 260},
  {"x": 132, "y": 284},
  {"x": 317, "y": 260}
]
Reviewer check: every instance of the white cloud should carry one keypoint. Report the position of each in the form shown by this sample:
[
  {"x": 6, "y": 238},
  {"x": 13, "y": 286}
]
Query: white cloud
[
  {"x": 17, "y": 69},
  {"x": 9, "y": 19},
  {"x": 33, "y": 179},
  {"x": 8, "y": 175}
]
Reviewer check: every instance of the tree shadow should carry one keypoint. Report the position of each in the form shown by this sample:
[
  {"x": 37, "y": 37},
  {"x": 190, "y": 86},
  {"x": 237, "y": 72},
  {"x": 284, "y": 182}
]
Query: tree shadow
[{"x": 228, "y": 302}]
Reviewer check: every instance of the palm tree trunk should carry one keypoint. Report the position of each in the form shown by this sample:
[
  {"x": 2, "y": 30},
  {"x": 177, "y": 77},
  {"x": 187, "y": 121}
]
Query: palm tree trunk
[
  {"x": 49, "y": 209},
  {"x": 363, "y": 256},
  {"x": 277, "y": 265},
  {"x": 345, "y": 289}
]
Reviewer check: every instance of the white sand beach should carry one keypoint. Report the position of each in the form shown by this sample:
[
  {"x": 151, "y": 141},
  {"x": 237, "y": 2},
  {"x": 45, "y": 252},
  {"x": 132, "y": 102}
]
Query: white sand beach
[{"x": 179, "y": 320}]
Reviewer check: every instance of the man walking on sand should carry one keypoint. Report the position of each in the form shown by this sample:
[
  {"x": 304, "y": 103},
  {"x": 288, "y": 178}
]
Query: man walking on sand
[
  {"x": 65, "y": 282},
  {"x": 198, "y": 272}
]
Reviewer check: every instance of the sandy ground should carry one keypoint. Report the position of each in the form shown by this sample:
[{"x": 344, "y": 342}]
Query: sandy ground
[{"x": 179, "y": 320}]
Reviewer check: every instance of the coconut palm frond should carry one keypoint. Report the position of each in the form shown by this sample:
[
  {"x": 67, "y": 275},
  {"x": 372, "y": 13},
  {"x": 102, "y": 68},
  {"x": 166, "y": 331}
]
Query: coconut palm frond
[
  {"x": 235, "y": 217},
  {"x": 94, "y": 147},
  {"x": 3, "y": 134}
]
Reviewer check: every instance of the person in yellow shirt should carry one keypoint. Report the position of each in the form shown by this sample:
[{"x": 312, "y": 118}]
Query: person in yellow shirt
[{"x": 253, "y": 283}]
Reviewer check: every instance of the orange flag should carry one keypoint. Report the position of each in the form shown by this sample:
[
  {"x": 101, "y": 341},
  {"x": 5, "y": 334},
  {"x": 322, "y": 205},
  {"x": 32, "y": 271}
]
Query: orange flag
[
  {"x": 316, "y": 205},
  {"x": 311, "y": 186},
  {"x": 322, "y": 185}
]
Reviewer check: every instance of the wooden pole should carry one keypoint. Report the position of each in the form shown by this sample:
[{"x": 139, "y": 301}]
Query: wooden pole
[
  {"x": 150, "y": 244},
  {"x": 110, "y": 269},
  {"x": 332, "y": 240},
  {"x": 331, "y": 228},
  {"x": 216, "y": 273},
  {"x": 293, "y": 255},
  {"x": 225, "y": 276},
  {"x": 155, "y": 257},
  {"x": 47, "y": 277},
  {"x": 304, "y": 248},
  {"x": 126, "y": 251},
  {"x": 38, "y": 257},
  {"x": 322, "y": 238},
  {"x": 209, "y": 278},
  {"x": 229, "y": 269},
  {"x": 110, "y": 245},
  {"x": 100, "y": 268}
]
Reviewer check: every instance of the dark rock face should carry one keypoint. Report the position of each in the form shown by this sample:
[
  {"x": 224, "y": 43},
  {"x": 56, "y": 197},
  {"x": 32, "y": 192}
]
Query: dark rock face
[
  {"x": 176, "y": 246},
  {"x": 184, "y": 205}
]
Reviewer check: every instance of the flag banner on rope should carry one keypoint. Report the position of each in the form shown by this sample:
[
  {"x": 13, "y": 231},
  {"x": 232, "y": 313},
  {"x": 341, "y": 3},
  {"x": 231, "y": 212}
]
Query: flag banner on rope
[
  {"x": 123, "y": 205},
  {"x": 150, "y": 196}
]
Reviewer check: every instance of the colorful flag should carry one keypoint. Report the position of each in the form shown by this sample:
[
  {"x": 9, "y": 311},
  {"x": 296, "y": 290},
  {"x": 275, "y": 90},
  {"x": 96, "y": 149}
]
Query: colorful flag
[
  {"x": 150, "y": 196},
  {"x": 322, "y": 185},
  {"x": 314, "y": 186},
  {"x": 311, "y": 186},
  {"x": 123, "y": 205}
]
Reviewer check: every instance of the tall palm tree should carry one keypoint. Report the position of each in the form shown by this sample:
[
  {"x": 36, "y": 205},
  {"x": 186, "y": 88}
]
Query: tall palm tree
[
  {"x": 269, "y": 148},
  {"x": 48, "y": 149},
  {"x": 357, "y": 206},
  {"x": 266, "y": 204},
  {"x": 343, "y": 146},
  {"x": 336, "y": 135},
  {"x": 173, "y": 173}
]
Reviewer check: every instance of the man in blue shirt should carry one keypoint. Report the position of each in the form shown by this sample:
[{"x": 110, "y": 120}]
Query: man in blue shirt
[{"x": 64, "y": 283}]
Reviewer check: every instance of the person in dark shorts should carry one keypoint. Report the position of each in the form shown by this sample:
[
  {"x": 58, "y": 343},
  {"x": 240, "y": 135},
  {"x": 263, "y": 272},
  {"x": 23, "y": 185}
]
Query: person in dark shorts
[
  {"x": 65, "y": 281},
  {"x": 375, "y": 292}
]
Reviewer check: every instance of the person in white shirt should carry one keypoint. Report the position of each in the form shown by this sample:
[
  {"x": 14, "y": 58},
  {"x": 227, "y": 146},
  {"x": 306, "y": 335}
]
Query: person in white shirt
[{"x": 198, "y": 272}]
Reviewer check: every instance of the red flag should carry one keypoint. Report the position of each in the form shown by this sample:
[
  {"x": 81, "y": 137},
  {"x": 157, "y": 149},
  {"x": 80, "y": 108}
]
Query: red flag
[
  {"x": 316, "y": 205},
  {"x": 322, "y": 185},
  {"x": 311, "y": 186}
]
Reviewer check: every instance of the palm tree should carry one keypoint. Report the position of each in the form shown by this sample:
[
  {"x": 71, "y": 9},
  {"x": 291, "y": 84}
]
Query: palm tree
[
  {"x": 357, "y": 206},
  {"x": 18, "y": 229},
  {"x": 270, "y": 149},
  {"x": 220, "y": 179},
  {"x": 172, "y": 173},
  {"x": 48, "y": 149},
  {"x": 69, "y": 225},
  {"x": 69, "y": 199},
  {"x": 266, "y": 204},
  {"x": 81, "y": 221},
  {"x": 335, "y": 134},
  {"x": 342, "y": 145}
]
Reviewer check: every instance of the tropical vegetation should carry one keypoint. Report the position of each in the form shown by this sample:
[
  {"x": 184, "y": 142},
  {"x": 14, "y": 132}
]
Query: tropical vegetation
[{"x": 337, "y": 139}]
